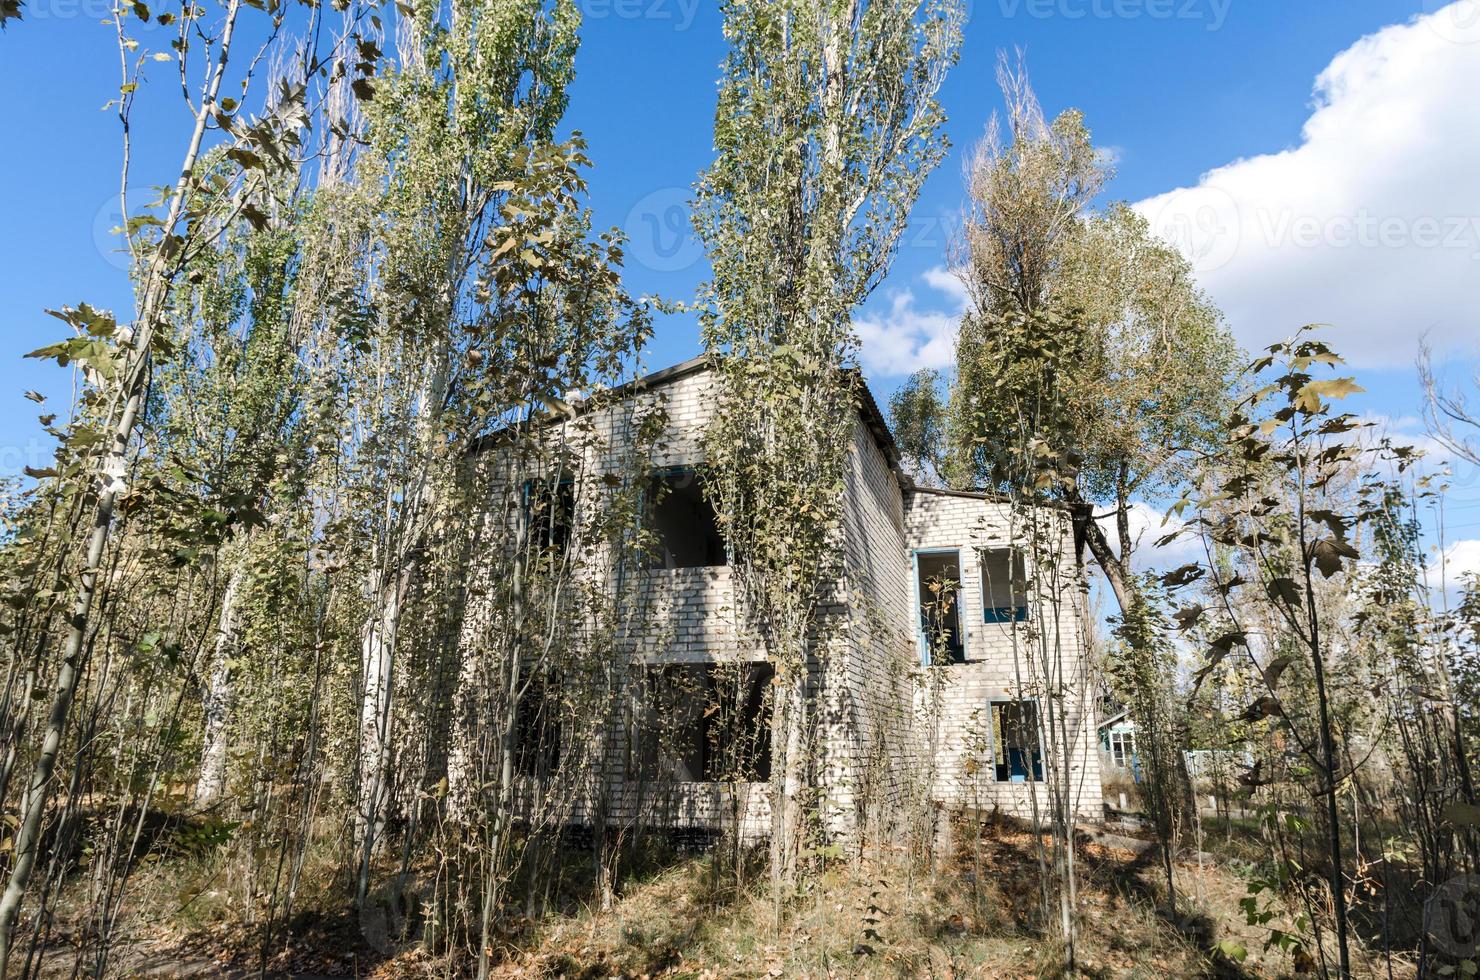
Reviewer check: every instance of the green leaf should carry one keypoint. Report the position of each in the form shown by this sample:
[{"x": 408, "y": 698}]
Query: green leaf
[
  {"x": 1276, "y": 668},
  {"x": 1262, "y": 707},
  {"x": 245, "y": 158},
  {"x": 1182, "y": 576},
  {"x": 1226, "y": 641},
  {"x": 1188, "y": 617}
]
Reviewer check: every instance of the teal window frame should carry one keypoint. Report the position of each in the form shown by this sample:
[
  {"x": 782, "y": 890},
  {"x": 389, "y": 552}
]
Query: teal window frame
[
  {"x": 1003, "y": 614},
  {"x": 1034, "y": 769},
  {"x": 921, "y": 640}
]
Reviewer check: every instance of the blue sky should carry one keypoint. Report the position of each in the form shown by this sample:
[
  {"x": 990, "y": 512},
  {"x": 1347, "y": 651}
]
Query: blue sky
[{"x": 1311, "y": 123}]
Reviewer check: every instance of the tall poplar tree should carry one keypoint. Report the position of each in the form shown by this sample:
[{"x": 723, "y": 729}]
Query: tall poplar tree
[
  {"x": 826, "y": 127},
  {"x": 478, "y": 86}
]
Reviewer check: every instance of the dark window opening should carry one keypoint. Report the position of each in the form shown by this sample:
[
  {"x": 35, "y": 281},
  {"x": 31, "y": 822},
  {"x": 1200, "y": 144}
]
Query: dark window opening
[
  {"x": 537, "y": 728},
  {"x": 1015, "y": 747},
  {"x": 706, "y": 723},
  {"x": 683, "y": 523},
  {"x": 550, "y": 507},
  {"x": 1004, "y": 586},
  {"x": 938, "y": 589}
]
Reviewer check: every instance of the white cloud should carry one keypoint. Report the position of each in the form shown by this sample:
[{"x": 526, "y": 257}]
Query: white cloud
[
  {"x": 1372, "y": 222},
  {"x": 903, "y": 338},
  {"x": 950, "y": 283},
  {"x": 1459, "y": 559},
  {"x": 1148, "y": 525},
  {"x": 1406, "y": 430}
]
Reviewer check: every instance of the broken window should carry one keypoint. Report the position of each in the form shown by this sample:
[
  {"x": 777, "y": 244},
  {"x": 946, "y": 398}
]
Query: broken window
[
  {"x": 1123, "y": 748},
  {"x": 550, "y": 508},
  {"x": 1015, "y": 745},
  {"x": 938, "y": 590},
  {"x": 1004, "y": 585},
  {"x": 706, "y": 723},
  {"x": 683, "y": 522}
]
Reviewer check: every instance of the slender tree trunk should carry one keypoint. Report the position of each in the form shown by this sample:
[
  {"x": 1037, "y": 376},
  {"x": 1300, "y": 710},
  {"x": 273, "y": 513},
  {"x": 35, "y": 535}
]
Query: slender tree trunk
[
  {"x": 390, "y": 586},
  {"x": 504, "y": 794},
  {"x": 377, "y": 664},
  {"x": 1333, "y": 814},
  {"x": 135, "y": 379},
  {"x": 219, "y": 695}
]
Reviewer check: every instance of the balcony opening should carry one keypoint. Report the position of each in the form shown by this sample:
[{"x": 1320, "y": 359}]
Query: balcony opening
[
  {"x": 683, "y": 523},
  {"x": 705, "y": 723},
  {"x": 937, "y": 592},
  {"x": 1004, "y": 585}
]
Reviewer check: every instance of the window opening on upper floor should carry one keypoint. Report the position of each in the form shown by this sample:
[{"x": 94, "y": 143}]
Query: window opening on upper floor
[
  {"x": 683, "y": 522},
  {"x": 1004, "y": 585},
  {"x": 550, "y": 509},
  {"x": 938, "y": 598}
]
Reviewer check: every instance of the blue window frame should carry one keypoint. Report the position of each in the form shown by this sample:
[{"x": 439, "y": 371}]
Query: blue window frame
[
  {"x": 1017, "y": 753},
  {"x": 938, "y": 604},
  {"x": 1004, "y": 585}
]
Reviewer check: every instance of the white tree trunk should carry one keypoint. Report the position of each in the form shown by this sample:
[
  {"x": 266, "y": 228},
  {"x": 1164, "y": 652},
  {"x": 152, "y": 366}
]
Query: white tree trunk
[
  {"x": 390, "y": 585},
  {"x": 211, "y": 783},
  {"x": 377, "y": 663}
]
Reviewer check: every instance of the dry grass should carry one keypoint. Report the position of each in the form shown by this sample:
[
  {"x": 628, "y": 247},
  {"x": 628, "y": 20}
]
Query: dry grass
[{"x": 976, "y": 914}]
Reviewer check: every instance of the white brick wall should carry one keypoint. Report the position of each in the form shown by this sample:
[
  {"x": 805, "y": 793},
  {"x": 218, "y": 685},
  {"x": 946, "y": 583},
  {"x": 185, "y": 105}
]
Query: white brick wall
[
  {"x": 878, "y": 729},
  {"x": 1005, "y": 661}
]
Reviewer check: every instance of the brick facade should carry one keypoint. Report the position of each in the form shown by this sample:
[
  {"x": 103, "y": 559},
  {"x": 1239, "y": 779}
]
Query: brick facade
[{"x": 888, "y": 724}]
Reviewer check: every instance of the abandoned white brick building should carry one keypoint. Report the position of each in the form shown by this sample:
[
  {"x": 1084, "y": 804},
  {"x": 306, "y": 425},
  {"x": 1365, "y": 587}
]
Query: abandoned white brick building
[{"x": 955, "y": 624}]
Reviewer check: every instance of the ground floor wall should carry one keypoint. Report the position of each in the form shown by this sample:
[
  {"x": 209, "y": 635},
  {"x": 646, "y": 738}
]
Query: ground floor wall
[{"x": 982, "y": 758}]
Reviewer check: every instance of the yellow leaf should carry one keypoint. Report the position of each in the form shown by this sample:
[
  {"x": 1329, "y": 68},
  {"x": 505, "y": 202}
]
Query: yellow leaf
[{"x": 1312, "y": 392}]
